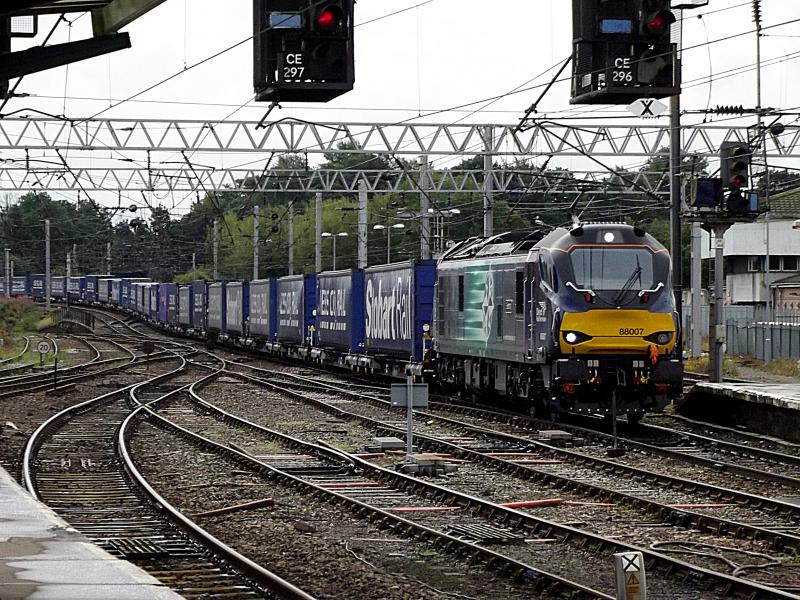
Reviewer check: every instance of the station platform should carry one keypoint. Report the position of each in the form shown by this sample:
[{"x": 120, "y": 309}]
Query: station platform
[
  {"x": 768, "y": 408},
  {"x": 41, "y": 557}
]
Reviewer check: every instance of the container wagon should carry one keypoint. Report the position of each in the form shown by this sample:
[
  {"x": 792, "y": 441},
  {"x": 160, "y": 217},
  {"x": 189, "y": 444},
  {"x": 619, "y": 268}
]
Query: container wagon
[
  {"x": 153, "y": 301},
  {"x": 77, "y": 287},
  {"x": 398, "y": 307},
  {"x": 168, "y": 304},
  {"x": 185, "y": 307},
  {"x": 20, "y": 286},
  {"x": 339, "y": 331},
  {"x": 216, "y": 308},
  {"x": 200, "y": 295},
  {"x": 237, "y": 310},
  {"x": 263, "y": 323},
  {"x": 297, "y": 299},
  {"x": 58, "y": 287},
  {"x": 37, "y": 286}
]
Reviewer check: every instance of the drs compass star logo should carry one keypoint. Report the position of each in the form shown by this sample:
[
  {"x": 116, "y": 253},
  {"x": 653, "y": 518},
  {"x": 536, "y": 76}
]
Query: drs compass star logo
[{"x": 488, "y": 304}]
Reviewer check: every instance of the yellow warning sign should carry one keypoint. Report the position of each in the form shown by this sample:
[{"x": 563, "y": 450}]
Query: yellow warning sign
[{"x": 632, "y": 585}]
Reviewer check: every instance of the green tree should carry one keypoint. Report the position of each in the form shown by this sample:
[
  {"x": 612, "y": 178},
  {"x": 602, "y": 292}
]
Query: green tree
[{"x": 84, "y": 224}]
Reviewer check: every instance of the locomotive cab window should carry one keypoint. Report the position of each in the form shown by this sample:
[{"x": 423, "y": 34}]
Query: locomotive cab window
[
  {"x": 460, "y": 293},
  {"x": 519, "y": 292},
  {"x": 609, "y": 268}
]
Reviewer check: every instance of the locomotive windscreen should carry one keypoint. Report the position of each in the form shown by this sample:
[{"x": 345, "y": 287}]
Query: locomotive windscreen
[{"x": 612, "y": 268}]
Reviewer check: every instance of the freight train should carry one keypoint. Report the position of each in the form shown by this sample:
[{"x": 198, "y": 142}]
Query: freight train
[{"x": 578, "y": 320}]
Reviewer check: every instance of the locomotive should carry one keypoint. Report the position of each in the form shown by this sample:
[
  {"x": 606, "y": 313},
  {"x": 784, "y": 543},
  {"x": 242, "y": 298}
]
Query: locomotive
[
  {"x": 578, "y": 320},
  {"x": 571, "y": 321}
]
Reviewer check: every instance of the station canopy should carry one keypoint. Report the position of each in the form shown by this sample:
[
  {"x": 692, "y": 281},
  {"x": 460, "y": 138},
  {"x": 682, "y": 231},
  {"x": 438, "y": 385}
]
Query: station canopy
[{"x": 107, "y": 15}]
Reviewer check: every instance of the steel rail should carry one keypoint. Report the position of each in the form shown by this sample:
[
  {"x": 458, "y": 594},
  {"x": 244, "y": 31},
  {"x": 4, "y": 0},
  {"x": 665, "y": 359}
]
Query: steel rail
[
  {"x": 386, "y": 520},
  {"x": 64, "y": 382},
  {"x": 36, "y": 439},
  {"x": 683, "y": 517},
  {"x": 203, "y": 571},
  {"x": 253, "y": 569},
  {"x": 507, "y": 516},
  {"x": 749, "y": 435},
  {"x": 8, "y": 381},
  {"x": 729, "y": 448},
  {"x": 528, "y": 424},
  {"x": 30, "y": 365},
  {"x": 776, "y": 505}
]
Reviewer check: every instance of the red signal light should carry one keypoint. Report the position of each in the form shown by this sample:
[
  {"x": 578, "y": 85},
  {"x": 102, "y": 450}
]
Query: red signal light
[
  {"x": 328, "y": 18},
  {"x": 656, "y": 25},
  {"x": 738, "y": 180}
]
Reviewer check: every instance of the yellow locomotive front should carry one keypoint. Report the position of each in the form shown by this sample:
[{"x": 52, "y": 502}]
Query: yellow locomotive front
[{"x": 614, "y": 329}]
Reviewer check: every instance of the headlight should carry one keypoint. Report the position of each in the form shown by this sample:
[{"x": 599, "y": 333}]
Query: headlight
[
  {"x": 575, "y": 337},
  {"x": 661, "y": 337}
]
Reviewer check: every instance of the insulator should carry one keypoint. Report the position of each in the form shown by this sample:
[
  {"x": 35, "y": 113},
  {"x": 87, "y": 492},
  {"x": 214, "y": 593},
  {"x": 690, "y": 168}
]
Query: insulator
[
  {"x": 757, "y": 12},
  {"x": 729, "y": 110}
]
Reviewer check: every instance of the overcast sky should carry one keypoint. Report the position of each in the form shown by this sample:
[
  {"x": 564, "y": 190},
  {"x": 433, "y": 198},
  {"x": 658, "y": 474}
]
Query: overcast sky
[{"x": 436, "y": 55}]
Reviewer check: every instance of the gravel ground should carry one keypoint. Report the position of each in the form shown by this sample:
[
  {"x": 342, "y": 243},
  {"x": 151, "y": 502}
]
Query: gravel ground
[
  {"x": 618, "y": 522},
  {"x": 341, "y": 436},
  {"x": 342, "y": 558},
  {"x": 729, "y": 435},
  {"x": 711, "y": 474},
  {"x": 21, "y": 415}
]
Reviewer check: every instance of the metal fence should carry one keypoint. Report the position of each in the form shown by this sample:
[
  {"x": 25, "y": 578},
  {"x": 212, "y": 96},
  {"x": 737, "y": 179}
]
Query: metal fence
[
  {"x": 742, "y": 315},
  {"x": 749, "y": 333},
  {"x": 73, "y": 315},
  {"x": 763, "y": 341}
]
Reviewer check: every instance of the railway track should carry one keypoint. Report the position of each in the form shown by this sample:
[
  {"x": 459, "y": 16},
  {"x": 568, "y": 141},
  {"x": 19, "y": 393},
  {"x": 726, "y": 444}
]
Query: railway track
[
  {"x": 66, "y": 377},
  {"x": 533, "y": 526},
  {"x": 739, "y": 436},
  {"x": 753, "y": 465},
  {"x": 719, "y": 449},
  {"x": 754, "y": 521},
  {"x": 327, "y": 474},
  {"x": 20, "y": 354},
  {"x": 331, "y": 479},
  {"x": 19, "y": 368},
  {"x": 78, "y": 464}
]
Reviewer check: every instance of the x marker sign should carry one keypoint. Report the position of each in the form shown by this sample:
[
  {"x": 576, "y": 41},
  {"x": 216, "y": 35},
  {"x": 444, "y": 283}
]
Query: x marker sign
[
  {"x": 647, "y": 108},
  {"x": 630, "y": 563}
]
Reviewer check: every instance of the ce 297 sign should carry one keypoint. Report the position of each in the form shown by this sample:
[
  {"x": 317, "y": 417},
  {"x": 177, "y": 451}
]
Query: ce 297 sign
[
  {"x": 293, "y": 68},
  {"x": 622, "y": 72}
]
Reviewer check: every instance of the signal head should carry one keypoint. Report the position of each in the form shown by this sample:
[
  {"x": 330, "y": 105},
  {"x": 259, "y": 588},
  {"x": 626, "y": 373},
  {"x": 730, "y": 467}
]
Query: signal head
[{"x": 735, "y": 160}]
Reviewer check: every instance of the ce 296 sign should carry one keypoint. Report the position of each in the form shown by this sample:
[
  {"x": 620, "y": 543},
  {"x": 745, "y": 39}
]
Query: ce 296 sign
[{"x": 622, "y": 72}]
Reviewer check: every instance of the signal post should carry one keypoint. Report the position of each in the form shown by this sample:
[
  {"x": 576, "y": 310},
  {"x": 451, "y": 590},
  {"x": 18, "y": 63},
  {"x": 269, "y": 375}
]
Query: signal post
[{"x": 717, "y": 204}]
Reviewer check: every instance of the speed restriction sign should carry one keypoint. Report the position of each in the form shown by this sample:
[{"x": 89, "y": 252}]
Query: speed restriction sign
[{"x": 43, "y": 347}]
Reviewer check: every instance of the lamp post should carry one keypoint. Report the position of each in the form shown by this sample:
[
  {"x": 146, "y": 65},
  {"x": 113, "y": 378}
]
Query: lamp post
[
  {"x": 333, "y": 236},
  {"x": 388, "y": 229},
  {"x": 439, "y": 216}
]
